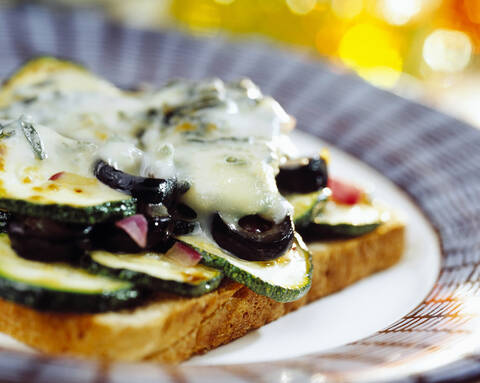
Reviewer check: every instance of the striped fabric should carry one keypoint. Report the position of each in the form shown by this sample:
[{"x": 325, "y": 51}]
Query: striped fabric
[{"x": 433, "y": 157}]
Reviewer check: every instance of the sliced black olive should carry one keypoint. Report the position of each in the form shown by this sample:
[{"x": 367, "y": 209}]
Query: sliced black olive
[
  {"x": 303, "y": 175},
  {"x": 152, "y": 209},
  {"x": 3, "y": 221},
  {"x": 46, "y": 228},
  {"x": 44, "y": 250},
  {"x": 183, "y": 227},
  {"x": 145, "y": 189},
  {"x": 107, "y": 236},
  {"x": 185, "y": 212},
  {"x": 183, "y": 216},
  {"x": 160, "y": 230},
  {"x": 256, "y": 239},
  {"x": 185, "y": 219},
  {"x": 41, "y": 239}
]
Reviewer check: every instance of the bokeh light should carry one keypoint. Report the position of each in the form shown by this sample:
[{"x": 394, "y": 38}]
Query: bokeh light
[
  {"x": 399, "y": 12},
  {"x": 447, "y": 51},
  {"x": 301, "y": 7},
  {"x": 347, "y": 9},
  {"x": 473, "y": 10},
  {"x": 371, "y": 50},
  {"x": 379, "y": 39}
]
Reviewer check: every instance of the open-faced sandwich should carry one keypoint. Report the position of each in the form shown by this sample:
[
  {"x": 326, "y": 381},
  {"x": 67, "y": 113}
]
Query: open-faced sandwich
[{"x": 161, "y": 224}]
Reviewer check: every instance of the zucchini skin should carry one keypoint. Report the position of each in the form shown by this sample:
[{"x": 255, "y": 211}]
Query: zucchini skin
[
  {"x": 307, "y": 206},
  {"x": 150, "y": 283},
  {"x": 44, "y": 299},
  {"x": 321, "y": 231},
  {"x": 65, "y": 213},
  {"x": 277, "y": 293}
]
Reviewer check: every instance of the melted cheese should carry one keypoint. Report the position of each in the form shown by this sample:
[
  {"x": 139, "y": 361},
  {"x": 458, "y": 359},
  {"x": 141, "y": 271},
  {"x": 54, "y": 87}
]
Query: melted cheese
[
  {"x": 225, "y": 140},
  {"x": 228, "y": 151},
  {"x": 24, "y": 176},
  {"x": 234, "y": 178},
  {"x": 78, "y": 106},
  {"x": 356, "y": 215}
]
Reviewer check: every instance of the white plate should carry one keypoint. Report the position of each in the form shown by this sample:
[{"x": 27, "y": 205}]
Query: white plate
[{"x": 431, "y": 156}]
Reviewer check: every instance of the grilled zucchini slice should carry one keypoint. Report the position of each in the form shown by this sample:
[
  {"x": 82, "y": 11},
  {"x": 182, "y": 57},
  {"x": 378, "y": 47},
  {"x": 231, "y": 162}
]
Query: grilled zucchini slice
[
  {"x": 307, "y": 206},
  {"x": 156, "y": 272},
  {"x": 284, "y": 279},
  {"x": 58, "y": 181},
  {"x": 344, "y": 221},
  {"x": 58, "y": 286}
]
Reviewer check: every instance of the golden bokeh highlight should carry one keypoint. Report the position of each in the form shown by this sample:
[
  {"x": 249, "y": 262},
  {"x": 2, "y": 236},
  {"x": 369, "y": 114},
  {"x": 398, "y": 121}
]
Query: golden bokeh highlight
[
  {"x": 347, "y": 9},
  {"x": 301, "y": 7},
  {"x": 447, "y": 50},
  {"x": 381, "y": 40},
  {"x": 472, "y": 8},
  {"x": 399, "y": 12},
  {"x": 372, "y": 51}
]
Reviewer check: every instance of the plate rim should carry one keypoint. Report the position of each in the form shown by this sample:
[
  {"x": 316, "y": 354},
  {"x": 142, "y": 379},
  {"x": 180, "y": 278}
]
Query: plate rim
[{"x": 352, "y": 89}]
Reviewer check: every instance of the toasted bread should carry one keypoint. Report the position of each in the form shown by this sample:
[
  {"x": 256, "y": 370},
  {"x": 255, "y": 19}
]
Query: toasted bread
[{"x": 172, "y": 329}]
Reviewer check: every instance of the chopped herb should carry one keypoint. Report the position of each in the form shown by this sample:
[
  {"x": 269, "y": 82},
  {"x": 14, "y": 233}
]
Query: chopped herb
[
  {"x": 235, "y": 160},
  {"x": 152, "y": 112},
  {"x": 10, "y": 128},
  {"x": 43, "y": 84},
  {"x": 219, "y": 139},
  {"x": 140, "y": 132},
  {"x": 29, "y": 100},
  {"x": 173, "y": 115},
  {"x": 33, "y": 138},
  {"x": 6, "y": 130}
]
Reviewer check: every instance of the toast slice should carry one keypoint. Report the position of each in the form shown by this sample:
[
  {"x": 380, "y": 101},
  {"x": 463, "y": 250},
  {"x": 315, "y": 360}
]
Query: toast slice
[{"x": 171, "y": 329}]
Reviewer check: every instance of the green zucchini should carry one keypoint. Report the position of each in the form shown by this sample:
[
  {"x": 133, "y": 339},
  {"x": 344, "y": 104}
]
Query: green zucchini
[
  {"x": 344, "y": 221},
  {"x": 307, "y": 206},
  {"x": 47, "y": 71},
  {"x": 284, "y": 279},
  {"x": 73, "y": 194},
  {"x": 156, "y": 272},
  {"x": 59, "y": 287}
]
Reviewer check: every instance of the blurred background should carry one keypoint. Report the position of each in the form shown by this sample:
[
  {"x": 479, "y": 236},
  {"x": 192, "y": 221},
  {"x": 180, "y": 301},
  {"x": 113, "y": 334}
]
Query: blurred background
[{"x": 426, "y": 50}]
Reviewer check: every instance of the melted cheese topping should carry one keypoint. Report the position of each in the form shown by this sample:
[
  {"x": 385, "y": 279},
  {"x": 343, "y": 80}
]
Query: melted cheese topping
[
  {"x": 225, "y": 140},
  {"x": 359, "y": 214},
  {"x": 77, "y": 105},
  {"x": 24, "y": 176}
]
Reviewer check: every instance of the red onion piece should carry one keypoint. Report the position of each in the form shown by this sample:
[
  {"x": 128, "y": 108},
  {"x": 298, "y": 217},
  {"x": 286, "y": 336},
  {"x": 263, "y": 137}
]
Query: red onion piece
[
  {"x": 184, "y": 255},
  {"x": 56, "y": 176},
  {"x": 136, "y": 226}
]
